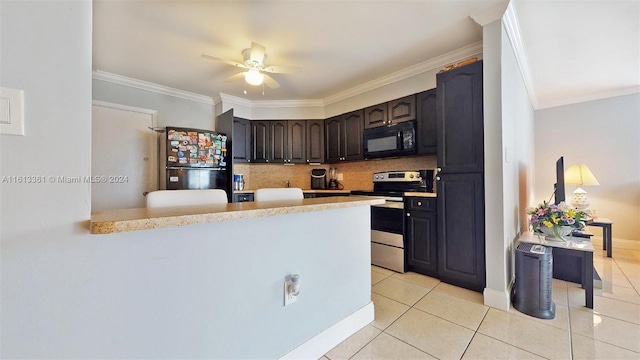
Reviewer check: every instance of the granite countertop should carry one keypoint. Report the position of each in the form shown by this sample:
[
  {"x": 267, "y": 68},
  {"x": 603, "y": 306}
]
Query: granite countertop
[{"x": 126, "y": 220}]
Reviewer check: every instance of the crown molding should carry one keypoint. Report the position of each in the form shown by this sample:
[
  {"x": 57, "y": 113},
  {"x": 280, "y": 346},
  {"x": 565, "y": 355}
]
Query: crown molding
[
  {"x": 432, "y": 64},
  {"x": 144, "y": 85},
  {"x": 490, "y": 15},
  {"x": 287, "y": 103},
  {"x": 590, "y": 97},
  {"x": 234, "y": 100},
  {"x": 512, "y": 28}
]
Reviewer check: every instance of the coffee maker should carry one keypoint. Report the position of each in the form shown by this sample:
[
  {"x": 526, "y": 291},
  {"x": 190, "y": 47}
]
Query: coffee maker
[
  {"x": 318, "y": 179},
  {"x": 333, "y": 179}
]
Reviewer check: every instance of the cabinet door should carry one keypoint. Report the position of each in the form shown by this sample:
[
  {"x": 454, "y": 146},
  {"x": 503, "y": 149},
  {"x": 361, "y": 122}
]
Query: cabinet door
[
  {"x": 315, "y": 141},
  {"x": 422, "y": 237},
  {"x": 375, "y": 116},
  {"x": 427, "y": 136},
  {"x": 278, "y": 141},
  {"x": 333, "y": 139},
  {"x": 461, "y": 259},
  {"x": 460, "y": 119},
  {"x": 241, "y": 140},
  {"x": 260, "y": 141},
  {"x": 296, "y": 141},
  {"x": 403, "y": 109},
  {"x": 353, "y": 124}
]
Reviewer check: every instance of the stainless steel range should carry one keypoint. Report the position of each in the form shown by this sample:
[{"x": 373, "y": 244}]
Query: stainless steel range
[{"x": 387, "y": 220}]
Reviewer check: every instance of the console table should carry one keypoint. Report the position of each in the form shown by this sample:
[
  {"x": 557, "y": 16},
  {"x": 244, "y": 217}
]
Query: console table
[
  {"x": 579, "y": 264},
  {"x": 607, "y": 237}
]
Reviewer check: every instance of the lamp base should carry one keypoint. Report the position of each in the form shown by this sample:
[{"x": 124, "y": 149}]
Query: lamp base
[{"x": 579, "y": 199}]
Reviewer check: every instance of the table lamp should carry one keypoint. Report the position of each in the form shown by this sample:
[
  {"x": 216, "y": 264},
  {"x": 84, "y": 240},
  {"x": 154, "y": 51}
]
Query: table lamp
[{"x": 579, "y": 175}]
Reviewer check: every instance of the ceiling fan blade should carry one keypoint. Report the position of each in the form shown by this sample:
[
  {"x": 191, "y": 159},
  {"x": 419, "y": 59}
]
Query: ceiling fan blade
[
  {"x": 235, "y": 77},
  {"x": 282, "y": 69},
  {"x": 230, "y": 62},
  {"x": 257, "y": 52},
  {"x": 270, "y": 82}
]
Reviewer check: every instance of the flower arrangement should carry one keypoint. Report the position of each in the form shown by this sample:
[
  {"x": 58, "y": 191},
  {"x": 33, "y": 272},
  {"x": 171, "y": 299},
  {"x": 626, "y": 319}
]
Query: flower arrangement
[{"x": 553, "y": 216}]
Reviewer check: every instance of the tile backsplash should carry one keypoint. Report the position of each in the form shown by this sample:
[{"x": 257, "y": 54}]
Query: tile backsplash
[{"x": 356, "y": 175}]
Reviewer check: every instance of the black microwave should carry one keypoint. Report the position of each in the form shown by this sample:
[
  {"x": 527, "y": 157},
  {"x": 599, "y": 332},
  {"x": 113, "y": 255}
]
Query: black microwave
[{"x": 394, "y": 140}]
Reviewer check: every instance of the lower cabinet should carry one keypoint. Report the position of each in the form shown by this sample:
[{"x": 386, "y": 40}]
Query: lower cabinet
[{"x": 421, "y": 235}]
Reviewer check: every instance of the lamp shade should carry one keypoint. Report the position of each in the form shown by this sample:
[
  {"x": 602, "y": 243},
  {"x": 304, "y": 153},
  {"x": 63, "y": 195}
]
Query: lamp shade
[
  {"x": 253, "y": 77},
  {"x": 579, "y": 175}
]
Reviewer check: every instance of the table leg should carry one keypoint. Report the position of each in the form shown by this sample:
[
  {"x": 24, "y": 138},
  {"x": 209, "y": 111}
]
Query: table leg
[
  {"x": 587, "y": 278},
  {"x": 609, "y": 239}
]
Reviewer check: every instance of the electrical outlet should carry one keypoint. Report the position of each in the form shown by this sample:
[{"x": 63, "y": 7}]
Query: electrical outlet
[
  {"x": 339, "y": 176},
  {"x": 288, "y": 297}
]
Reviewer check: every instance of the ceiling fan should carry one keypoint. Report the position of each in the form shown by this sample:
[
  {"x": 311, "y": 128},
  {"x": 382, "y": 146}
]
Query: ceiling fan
[{"x": 255, "y": 73}]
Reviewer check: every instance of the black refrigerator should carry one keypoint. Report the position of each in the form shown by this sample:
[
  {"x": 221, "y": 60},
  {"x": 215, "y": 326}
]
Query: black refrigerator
[{"x": 193, "y": 159}]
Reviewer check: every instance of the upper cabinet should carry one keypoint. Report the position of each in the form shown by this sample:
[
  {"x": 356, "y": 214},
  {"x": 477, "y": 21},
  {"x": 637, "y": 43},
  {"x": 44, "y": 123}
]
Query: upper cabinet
[
  {"x": 392, "y": 112},
  {"x": 260, "y": 138},
  {"x": 460, "y": 119},
  {"x": 296, "y": 141},
  {"x": 241, "y": 140},
  {"x": 427, "y": 135},
  {"x": 403, "y": 109},
  {"x": 315, "y": 141},
  {"x": 287, "y": 141},
  {"x": 375, "y": 116},
  {"x": 343, "y": 137}
]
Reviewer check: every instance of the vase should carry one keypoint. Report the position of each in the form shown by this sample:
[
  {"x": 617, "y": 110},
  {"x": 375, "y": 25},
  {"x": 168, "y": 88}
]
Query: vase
[{"x": 556, "y": 233}]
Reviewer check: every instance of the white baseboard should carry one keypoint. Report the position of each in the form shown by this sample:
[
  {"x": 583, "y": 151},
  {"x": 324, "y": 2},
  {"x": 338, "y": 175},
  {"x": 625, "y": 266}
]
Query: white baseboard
[
  {"x": 498, "y": 299},
  {"x": 320, "y": 344}
]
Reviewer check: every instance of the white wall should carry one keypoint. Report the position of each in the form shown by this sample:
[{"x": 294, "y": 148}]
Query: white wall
[
  {"x": 605, "y": 135},
  {"x": 509, "y": 158},
  {"x": 172, "y": 111},
  {"x": 171, "y": 293}
]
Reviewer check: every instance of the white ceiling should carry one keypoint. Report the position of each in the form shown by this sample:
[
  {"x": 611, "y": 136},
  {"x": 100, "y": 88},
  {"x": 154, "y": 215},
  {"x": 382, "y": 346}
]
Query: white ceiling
[{"x": 573, "y": 48}]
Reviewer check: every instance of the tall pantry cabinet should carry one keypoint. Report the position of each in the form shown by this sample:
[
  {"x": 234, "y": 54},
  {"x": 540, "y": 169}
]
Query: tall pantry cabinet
[{"x": 460, "y": 178}]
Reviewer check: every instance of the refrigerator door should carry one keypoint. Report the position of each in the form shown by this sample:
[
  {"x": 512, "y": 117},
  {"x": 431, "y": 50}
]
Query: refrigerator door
[
  {"x": 193, "y": 148},
  {"x": 200, "y": 178}
]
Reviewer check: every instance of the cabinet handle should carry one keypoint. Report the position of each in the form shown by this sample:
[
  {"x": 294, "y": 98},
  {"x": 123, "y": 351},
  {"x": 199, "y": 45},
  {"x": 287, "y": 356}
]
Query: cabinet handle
[
  {"x": 267, "y": 160},
  {"x": 439, "y": 169},
  {"x": 437, "y": 177},
  {"x": 419, "y": 203},
  {"x": 408, "y": 214}
]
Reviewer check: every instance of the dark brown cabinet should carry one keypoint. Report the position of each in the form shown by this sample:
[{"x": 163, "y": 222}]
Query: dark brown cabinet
[
  {"x": 460, "y": 180},
  {"x": 260, "y": 138},
  {"x": 296, "y": 141},
  {"x": 287, "y": 141},
  {"x": 375, "y": 116},
  {"x": 389, "y": 113},
  {"x": 421, "y": 235},
  {"x": 403, "y": 109},
  {"x": 278, "y": 141},
  {"x": 426, "y": 118},
  {"x": 343, "y": 137},
  {"x": 461, "y": 242},
  {"x": 241, "y": 140},
  {"x": 314, "y": 141}
]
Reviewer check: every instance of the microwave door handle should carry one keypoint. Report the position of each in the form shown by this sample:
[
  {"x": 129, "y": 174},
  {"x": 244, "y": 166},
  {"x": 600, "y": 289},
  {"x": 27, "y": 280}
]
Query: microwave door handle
[{"x": 399, "y": 145}]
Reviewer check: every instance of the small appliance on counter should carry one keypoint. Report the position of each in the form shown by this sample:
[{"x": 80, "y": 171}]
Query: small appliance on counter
[
  {"x": 333, "y": 180},
  {"x": 318, "y": 179}
]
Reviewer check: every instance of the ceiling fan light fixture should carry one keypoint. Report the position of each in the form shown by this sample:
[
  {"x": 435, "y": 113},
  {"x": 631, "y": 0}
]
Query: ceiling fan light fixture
[{"x": 253, "y": 77}]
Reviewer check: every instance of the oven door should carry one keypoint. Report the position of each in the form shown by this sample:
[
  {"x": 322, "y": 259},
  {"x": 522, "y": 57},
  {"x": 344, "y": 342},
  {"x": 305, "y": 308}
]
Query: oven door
[
  {"x": 387, "y": 141},
  {"x": 387, "y": 240}
]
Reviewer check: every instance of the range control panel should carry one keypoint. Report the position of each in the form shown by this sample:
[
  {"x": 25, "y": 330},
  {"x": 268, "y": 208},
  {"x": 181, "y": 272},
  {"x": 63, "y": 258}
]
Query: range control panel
[{"x": 396, "y": 176}]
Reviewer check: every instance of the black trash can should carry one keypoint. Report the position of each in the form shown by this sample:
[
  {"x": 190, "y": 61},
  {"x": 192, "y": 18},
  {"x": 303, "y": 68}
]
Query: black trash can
[{"x": 533, "y": 289}]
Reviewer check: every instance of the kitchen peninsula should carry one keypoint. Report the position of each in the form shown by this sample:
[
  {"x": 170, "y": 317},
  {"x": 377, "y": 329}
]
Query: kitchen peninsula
[{"x": 226, "y": 264}]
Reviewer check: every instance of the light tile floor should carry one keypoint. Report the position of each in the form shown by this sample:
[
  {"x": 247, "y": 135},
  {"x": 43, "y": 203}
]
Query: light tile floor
[{"x": 418, "y": 317}]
